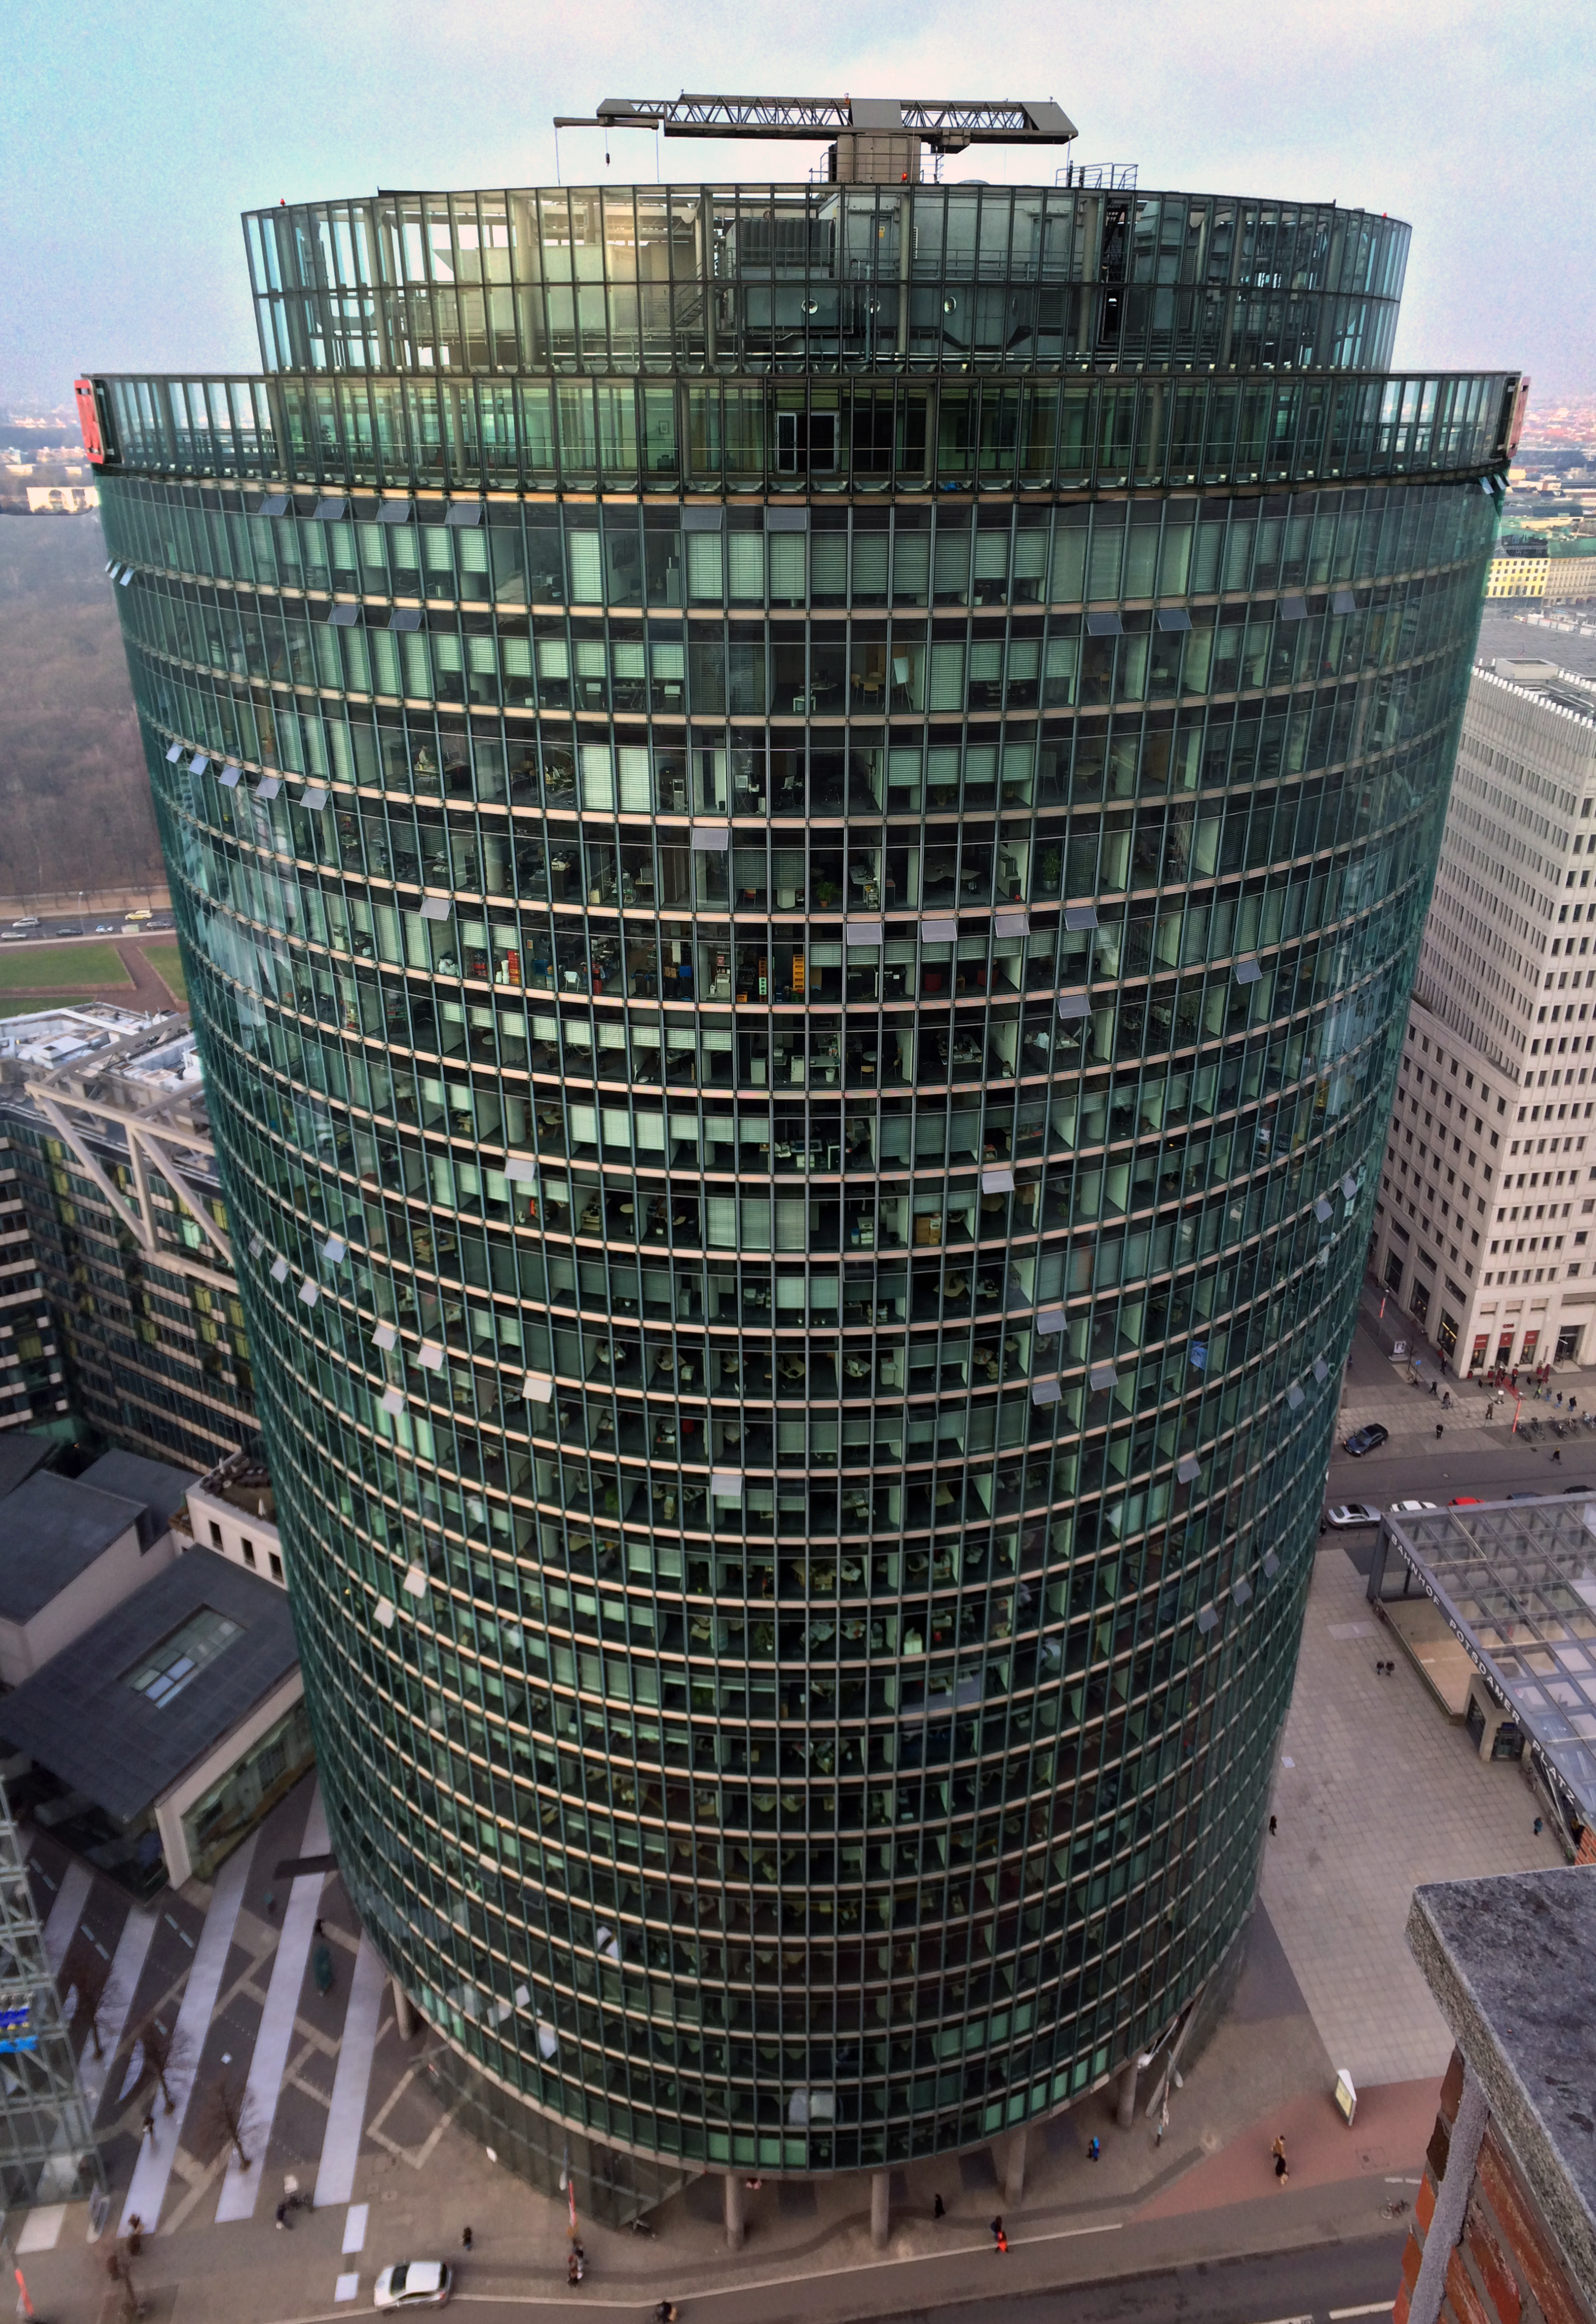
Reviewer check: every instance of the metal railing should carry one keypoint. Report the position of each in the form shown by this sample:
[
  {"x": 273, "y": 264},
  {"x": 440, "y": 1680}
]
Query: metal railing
[
  {"x": 1115, "y": 176},
  {"x": 1089, "y": 427}
]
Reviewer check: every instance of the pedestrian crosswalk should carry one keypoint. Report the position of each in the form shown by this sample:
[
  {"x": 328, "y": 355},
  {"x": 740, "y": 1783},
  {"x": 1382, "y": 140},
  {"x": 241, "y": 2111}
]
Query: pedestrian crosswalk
[
  {"x": 240, "y": 2188},
  {"x": 216, "y": 1990},
  {"x": 71, "y": 1899},
  {"x": 153, "y": 2171},
  {"x": 340, "y": 2148},
  {"x": 127, "y": 1967}
]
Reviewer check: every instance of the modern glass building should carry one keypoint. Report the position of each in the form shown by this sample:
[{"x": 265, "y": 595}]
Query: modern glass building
[
  {"x": 799, "y": 817},
  {"x": 131, "y": 1330}
]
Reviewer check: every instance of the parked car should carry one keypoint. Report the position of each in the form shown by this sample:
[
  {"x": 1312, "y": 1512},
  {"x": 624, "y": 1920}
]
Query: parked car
[
  {"x": 1366, "y": 1439},
  {"x": 1352, "y": 1513},
  {"x": 1464, "y": 1501},
  {"x": 413, "y": 2283},
  {"x": 31, "y": 922},
  {"x": 105, "y": 927},
  {"x": 1412, "y": 1508},
  {"x": 70, "y": 928}
]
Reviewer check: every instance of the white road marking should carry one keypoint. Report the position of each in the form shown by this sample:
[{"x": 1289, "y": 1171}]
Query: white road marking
[
  {"x": 269, "y": 2060},
  {"x": 1374, "y": 2308},
  {"x": 153, "y": 2168},
  {"x": 346, "y": 2113},
  {"x": 127, "y": 1965},
  {"x": 354, "y": 2227},
  {"x": 61, "y": 1926}
]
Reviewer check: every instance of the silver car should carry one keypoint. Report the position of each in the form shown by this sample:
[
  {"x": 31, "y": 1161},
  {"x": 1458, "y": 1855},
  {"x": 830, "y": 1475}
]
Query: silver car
[{"x": 413, "y": 2283}]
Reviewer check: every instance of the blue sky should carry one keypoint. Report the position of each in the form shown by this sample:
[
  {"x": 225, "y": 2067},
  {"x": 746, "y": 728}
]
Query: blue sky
[{"x": 132, "y": 137}]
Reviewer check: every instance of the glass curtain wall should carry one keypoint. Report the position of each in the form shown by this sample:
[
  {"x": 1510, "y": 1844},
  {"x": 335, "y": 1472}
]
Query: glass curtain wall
[{"x": 799, "y": 1061}]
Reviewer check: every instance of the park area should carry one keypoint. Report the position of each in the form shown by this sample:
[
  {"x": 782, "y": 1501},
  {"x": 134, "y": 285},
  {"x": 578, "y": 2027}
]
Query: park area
[{"x": 136, "y": 974}]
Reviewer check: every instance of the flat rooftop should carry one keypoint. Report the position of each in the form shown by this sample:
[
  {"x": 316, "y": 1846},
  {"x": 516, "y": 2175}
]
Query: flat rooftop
[
  {"x": 51, "y": 1530},
  {"x": 1515, "y": 1581},
  {"x": 123, "y": 1711},
  {"x": 1512, "y": 1964},
  {"x": 20, "y": 1453},
  {"x": 157, "y": 1484}
]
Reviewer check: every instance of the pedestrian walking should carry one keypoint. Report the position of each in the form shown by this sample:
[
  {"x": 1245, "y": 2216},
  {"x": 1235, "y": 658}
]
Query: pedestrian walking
[
  {"x": 1435, "y": 1387},
  {"x": 1278, "y": 2149},
  {"x": 465, "y": 2239},
  {"x": 666, "y": 2312},
  {"x": 1002, "y": 2240},
  {"x": 1274, "y": 1826},
  {"x": 1537, "y": 1826},
  {"x": 1281, "y": 2173},
  {"x": 1558, "y": 1456},
  {"x": 1094, "y": 2152},
  {"x": 997, "y": 2228},
  {"x": 149, "y": 2129},
  {"x": 939, "y": 2208},
  {"x": 282, "y": 2215},
  {"x": 1439, "y": 1428}
]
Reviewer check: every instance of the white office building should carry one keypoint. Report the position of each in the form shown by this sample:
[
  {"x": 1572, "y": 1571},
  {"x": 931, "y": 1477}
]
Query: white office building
[{"x": 1484, "y": 1228}]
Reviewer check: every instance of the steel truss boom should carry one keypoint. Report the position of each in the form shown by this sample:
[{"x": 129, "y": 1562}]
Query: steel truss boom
[{"x": 943, "y": 122}]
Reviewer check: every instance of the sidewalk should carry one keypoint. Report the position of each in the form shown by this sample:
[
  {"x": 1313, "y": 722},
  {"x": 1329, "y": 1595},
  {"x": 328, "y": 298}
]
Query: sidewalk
[
  {"x": 1206, "y": 2191},
  {"x": 1376, "y": 1388},
  {"x": 1376, "y": 1789}
]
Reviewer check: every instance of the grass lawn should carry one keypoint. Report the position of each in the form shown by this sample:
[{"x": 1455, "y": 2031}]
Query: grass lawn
[
  {"x": 60, "y": 968},
  {"x": 168, "y": 964}
]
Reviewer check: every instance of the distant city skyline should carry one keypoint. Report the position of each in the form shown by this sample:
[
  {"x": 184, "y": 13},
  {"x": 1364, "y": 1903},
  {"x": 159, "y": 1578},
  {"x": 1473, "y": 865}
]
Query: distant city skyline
[{"x": 115, "y": 123}]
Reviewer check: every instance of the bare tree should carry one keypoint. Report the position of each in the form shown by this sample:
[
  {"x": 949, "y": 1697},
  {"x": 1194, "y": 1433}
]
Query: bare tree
[
  {"x": 164, "y": 2056},
  {"x": 226, "y": 2118}
]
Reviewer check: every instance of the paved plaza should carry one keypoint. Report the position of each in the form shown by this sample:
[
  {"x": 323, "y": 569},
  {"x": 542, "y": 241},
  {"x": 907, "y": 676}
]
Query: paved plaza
[{"x": 1377, "y": 1790}]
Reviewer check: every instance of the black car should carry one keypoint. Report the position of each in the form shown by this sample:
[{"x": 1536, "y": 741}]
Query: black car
[{"x": 1366, "y": 1439}]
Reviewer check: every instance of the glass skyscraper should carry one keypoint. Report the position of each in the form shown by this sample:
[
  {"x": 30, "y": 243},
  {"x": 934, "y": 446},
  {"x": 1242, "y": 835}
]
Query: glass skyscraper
[{"x": 799, "y": 817}]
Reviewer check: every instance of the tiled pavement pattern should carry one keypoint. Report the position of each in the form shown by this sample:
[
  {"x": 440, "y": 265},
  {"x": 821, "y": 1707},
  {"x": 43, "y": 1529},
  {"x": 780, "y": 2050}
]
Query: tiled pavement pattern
[
  {"x": 156, "y": 1951},
  {"x": 1382, "y": 1793}
]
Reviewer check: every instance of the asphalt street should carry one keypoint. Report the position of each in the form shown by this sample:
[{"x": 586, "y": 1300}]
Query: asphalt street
[
  {"x": 1324, "y": 2284},
  {"x": 1485, "y": 1464},
  {"x": 1328, "y": 2284}
]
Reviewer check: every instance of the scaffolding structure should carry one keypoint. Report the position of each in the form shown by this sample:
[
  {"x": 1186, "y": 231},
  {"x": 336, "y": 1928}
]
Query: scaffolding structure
[{"x": 48, "y": 2153}]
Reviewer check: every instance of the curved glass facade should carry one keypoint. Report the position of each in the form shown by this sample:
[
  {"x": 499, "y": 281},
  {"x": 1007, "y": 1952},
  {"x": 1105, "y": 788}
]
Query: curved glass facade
[
  {"x": 799, "y": 1069},
  {"x": 820, "y": 277}
]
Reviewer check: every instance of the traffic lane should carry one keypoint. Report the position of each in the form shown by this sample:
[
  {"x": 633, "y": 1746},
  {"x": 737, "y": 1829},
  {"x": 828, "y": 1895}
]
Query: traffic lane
[
  {"x": 1325, "y": 2283},
  {"x": 1319, "y": 2284},
  {"x": 1434, "y": 1470}
]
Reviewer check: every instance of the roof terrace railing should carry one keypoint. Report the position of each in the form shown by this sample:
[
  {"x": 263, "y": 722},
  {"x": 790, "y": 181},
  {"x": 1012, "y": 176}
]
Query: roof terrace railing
[{"x": 1098, "y": 432}]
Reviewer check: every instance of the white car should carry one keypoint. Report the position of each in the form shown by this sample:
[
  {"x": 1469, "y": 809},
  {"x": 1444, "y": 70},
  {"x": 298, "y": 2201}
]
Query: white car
[
  {"x": 1352, "y": 1513},
  {"x": 1411, "y": 1508},
  {"x": 413, "y": 2283}
]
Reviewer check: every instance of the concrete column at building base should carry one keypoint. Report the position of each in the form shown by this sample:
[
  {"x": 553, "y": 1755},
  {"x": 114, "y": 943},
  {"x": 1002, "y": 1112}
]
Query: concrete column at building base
[
  {"x": 1014, "y": 2170},
  {"x": 404, "y": 2016},
  {"x": 1125, "y": 2112},
  {"x": 736, "y": 2225},
  {"x": 881, "y": 2209}
]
